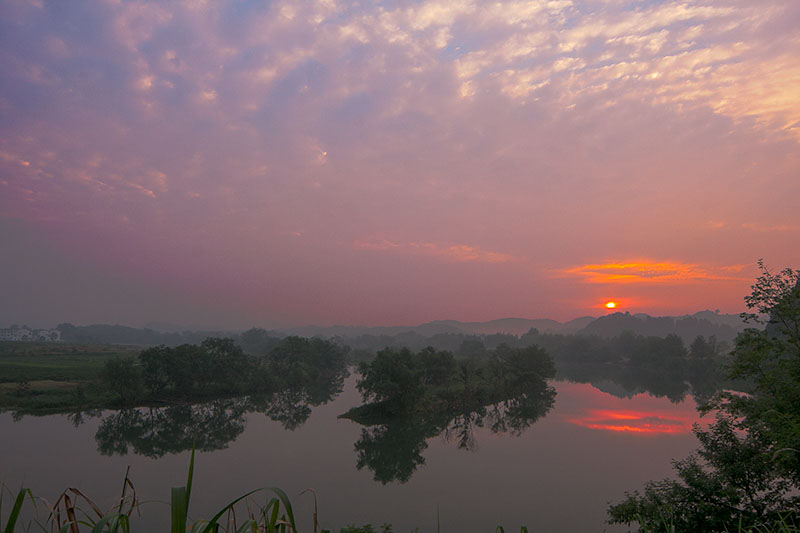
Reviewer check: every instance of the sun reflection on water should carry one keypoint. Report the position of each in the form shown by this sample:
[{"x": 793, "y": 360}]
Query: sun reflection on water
[{"x": 639, "y": 414}]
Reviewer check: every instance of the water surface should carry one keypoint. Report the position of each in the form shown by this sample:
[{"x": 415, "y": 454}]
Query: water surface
[{"x": 557, "y": 475}]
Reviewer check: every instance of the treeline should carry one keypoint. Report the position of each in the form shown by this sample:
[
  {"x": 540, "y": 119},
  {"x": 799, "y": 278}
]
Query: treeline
[
  {"x": 401, "y": 380},
  {"x": 705, "y": 323},
  {"x": 220, "y": 368},
  {"x": 260, "y": 360},
  {"x": 200, "y": 395},
  {"x": 115, "y": 334},
  {"x": 661, "y": 366},
  {"x": 176, "y": 398},
  {"x": 442, "y": 335}
]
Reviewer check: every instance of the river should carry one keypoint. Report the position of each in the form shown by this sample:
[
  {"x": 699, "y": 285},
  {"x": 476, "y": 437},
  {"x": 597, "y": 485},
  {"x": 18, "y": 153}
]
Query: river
[{"x": 558, "y": 475}]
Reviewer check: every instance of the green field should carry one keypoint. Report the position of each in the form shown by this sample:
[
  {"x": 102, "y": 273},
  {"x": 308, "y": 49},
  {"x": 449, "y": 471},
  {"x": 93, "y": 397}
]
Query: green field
[{"x": 44, "y": 376}]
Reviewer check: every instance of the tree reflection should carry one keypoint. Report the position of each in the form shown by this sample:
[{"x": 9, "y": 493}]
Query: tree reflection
[
  {"x": 522, "y": 411},
  {"x": 625, "y": 380},
  {"x": 154, "y": 432},
  {"x": 391, "y": 446},
  {"x": 393, "y": 450},
  {"x": 291, "y": 407},
  {"x": 630, "y": 364}
]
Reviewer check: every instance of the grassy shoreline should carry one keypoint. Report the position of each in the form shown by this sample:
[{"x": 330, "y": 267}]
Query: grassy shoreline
[{"x": 53, "y": 377}]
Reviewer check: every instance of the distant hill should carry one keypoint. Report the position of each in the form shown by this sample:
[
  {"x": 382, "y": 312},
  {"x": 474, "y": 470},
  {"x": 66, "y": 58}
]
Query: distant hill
[
  {"x": 715, "y": 317},
  {"x": 512, "y": 326},
  {"x": 443, "y": 333},
  {"x": 425, "y": 330},
  {"x": 168, "y": 327},
  {"x": 116, "y": 334},
  {"x": 706, "y": 323},
  {"x": 517, "y": 326}
]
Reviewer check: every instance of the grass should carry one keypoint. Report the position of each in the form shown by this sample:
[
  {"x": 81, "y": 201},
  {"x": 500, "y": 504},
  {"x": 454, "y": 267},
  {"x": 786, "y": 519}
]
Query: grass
[
  {"x": 15, "y": 510},
  {"x": 32, "y": 361},
  {"x": 74, "y": 512},
  {"x": 48, "y": 376}
]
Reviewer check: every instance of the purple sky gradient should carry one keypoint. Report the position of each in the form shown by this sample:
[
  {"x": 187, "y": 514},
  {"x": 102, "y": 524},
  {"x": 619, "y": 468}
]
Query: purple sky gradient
[{"x": 279, "y": 163}]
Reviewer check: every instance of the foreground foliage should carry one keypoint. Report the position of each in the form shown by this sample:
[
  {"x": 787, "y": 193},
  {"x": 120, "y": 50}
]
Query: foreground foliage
[
  {"x": 74, "y": 512},
  {"x": 746, "y": 473}
]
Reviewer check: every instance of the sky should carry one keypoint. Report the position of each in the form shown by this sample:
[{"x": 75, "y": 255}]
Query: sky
[{"x": 276, "y": 163}]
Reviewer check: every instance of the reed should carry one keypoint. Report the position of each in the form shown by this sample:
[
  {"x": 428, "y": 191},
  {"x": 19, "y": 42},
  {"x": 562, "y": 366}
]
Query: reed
[
  {"x": 15, "y": 509},
  {"x": 74, "y": 512}
]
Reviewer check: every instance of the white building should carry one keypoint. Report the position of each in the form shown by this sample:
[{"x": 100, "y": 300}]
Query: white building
[{"x": 24, "y": 334}]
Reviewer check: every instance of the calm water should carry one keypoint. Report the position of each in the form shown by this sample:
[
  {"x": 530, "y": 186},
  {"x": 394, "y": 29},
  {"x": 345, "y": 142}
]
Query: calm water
[{"x": 558, "y": 475}]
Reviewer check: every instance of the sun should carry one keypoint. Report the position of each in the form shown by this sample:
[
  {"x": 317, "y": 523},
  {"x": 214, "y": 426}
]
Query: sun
[{"x": 611, "y": 305}]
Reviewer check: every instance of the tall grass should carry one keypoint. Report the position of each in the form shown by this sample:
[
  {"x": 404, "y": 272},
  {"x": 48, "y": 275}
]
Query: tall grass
[
  {"x": 782, "y": 525},
  {"x": 74, "y": 512},
  {"x": 15, "y": 509}
]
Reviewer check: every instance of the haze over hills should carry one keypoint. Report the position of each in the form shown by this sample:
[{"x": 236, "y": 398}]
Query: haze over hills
[
  {"x": 511, "y": 326},
  {"x": 707, "y": 323},
  {"x": 518, "y": 326}
]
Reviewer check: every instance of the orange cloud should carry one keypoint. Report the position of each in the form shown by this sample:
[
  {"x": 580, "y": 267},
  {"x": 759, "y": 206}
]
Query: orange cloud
[
  {"x": 460, "y": 253},
  {"x": 651, "y": 272}
]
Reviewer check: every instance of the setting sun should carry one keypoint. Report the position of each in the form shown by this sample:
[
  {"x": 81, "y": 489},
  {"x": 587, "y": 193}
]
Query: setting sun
[{"x": 611, "y": 305}]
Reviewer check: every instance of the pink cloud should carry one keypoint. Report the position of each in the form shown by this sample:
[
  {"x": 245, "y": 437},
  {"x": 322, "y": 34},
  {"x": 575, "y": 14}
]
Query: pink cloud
[
  {"x": 233, "y": 150},
  {"x": 450, "y": 252}
]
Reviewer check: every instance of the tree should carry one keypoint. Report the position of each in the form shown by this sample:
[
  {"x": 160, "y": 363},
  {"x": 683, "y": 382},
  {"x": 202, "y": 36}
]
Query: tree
[
  {"x": 439, "y": 366},
  {"x": 224, "y": 364},
  {"x": 746, "y": 473},
  {"x": 298, "y": 362},
  {"x": 154, "y": 368},
  {"x": 523, "y": 365},
  {"x": 769, "y": 359},
  {"x": 123, "y": 377},
  {"x": 393, "y": 377},
  {"x": 705, "y": 371},
  {"x": 732, "y": 483},
  {"x": 472, "y": 347},
  {"x": 257, "y": 341}
]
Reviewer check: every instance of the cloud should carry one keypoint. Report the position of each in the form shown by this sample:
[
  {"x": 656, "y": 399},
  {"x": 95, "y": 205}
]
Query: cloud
[
  {"x": 458, "y": 253},
  {"x": 527, "y": 132},
  {"x": 671, "y": 53},
  {"x": 650, "y": 272},
  {"x": 766, "y": 228}
]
